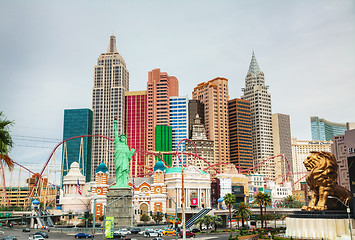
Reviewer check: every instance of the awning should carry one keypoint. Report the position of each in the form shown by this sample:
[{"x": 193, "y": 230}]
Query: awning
[{"x": 221, "y": 199}]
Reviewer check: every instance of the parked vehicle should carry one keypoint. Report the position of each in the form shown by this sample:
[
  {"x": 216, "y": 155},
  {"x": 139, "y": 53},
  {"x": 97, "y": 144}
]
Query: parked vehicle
[
  {"x": 82, "y": 235},
  {"x": 158, "y": 238},
  {"x": 117, "y": 235},
  {"x": 188, "y": 234},
  {"x": 43, "y": 234},
  {"x": 195, "y": 230},
  {"x": 26, "y": 230},
  {"x": 9, "y": 238},
  {"x": 35, "y": 237},
  {"x": 134, "y": 230}
]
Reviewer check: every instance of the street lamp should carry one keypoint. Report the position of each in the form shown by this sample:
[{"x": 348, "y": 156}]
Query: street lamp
[
  {"x": 94, "y": 216},
  {"x": 176, "y": 237},
  {"x": 106, "y": 206},
  {"x": 348, "y": 211}
]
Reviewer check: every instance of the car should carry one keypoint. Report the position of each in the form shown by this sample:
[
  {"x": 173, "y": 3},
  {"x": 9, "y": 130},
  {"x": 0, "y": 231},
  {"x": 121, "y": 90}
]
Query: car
[
  {"x": 35, "y": 237},
  {"x": 168, "y": 232},
  {"x": 124, "y": 232},
  {"x": 158, "y": 238},
  {"x": 152, "y": 233},
  {"x": 82, "y": 235},
  {"x": 26, "y": 230},
  {"x": 188, "y": 234},
  {"x": 43, "y": 234},
  {"x": 195, "y": 230},
  {"x": 135, "y": 230},
  {"x": 9, "y": 238}
]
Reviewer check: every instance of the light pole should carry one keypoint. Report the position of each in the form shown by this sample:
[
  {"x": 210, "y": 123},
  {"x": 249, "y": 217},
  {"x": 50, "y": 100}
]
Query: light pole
[
  {"x": 183, "y": 203},
  {"x": 94, "y": 217},
  {"x": 106, "y": 206},
  {"x": 176, "y": 236},
  {"x": 348, "y": 211}
]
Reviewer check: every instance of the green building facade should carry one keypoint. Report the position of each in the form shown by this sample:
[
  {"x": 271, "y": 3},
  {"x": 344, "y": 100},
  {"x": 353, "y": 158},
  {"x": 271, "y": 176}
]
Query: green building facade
[{"x": 163, "y": 142}]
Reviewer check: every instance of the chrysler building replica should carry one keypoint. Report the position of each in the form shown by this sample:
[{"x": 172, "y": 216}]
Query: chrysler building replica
[
  {"x": 110, "y": 83},
  {"x": 260, "y": 105}
]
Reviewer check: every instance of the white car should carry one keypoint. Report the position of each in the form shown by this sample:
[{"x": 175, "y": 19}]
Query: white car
[
  {"x": 35, "y": 237},
  {"x": 124, "y": 232}
]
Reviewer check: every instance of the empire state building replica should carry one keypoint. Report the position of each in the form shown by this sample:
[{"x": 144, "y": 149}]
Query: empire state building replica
[
  {"x": 111, "y": 80},
  {"x": 260, "y": 107}
]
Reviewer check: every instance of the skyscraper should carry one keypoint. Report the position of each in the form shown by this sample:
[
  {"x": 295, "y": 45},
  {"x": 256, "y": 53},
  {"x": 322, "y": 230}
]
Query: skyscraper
[
  {"x": 111, "y": 80},
  {"x": 281, "y": 129},
  {"x": 136, "y": 130},
  {"x": 260, "y": 105},
  {"x": 214, "y": 95},
  {"x": 179, "y": 126},
  {"x": 77, "y": 122},
  {"x": 195, "y": 107},
  {"x": 323, "y": 130},
  {"x": 160, "y": 87},
  {"x": 241, "y": 144}
]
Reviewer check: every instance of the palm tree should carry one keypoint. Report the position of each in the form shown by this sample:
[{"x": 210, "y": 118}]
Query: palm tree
[
  {"x": 200, "y": 222},
  {"x": 267, "y": 202},
  {"x": 259, "y": 200},
  {"x": 216, "y": 221},
  {"x": 243, "y": 211},
  {"x": 208, "y": 221},
  {"x": 5, "y": 142},
  {"x": 230, "y": 200},
  {"x": 289, "y": 201}
]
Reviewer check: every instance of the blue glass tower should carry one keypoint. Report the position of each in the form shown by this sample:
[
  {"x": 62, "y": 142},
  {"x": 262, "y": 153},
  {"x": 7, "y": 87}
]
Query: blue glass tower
[
  {"x": 179, "y": 125},
  {"x": 323, "y": 130},
  {"x": 77, "y": 122}
]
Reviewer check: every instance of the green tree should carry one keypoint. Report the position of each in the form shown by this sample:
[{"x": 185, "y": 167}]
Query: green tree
[
  {"x": 289, "y": 201},
  {"x": 5, "y": 141},
  {"x": 259, "y": 200},
  {"x": 200, "y": 222},
  {"x": 145, "y": 218},
  {"x": 229, "y": 200},
  {"x": 267, "y": 202},
  {"x": 216, "y": 221},
  {"x": 157, "y": 217},
  {"x": 208, "y": 221},
  {"x": 243, "y": 211}
]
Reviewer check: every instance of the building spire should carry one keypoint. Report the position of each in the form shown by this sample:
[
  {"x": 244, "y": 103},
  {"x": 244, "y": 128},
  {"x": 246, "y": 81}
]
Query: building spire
[
  {"x": 112, "y": 46},
  {"x": 254, "y": 67}
]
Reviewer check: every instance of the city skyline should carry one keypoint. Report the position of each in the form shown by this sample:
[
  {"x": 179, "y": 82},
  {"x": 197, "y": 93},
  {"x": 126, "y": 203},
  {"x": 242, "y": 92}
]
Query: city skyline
[{"x": 305, "y": 50}]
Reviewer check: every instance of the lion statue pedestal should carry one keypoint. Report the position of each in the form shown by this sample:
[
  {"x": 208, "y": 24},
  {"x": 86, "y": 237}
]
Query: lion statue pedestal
[{"x": 325, "y": 216}]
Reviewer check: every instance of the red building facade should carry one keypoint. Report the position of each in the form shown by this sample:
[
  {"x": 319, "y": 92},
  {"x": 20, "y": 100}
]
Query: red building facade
[{"x": 136, "y": 130}]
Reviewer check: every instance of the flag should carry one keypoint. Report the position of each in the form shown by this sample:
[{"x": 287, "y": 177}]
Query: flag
[{"x": 78, "y": 186}]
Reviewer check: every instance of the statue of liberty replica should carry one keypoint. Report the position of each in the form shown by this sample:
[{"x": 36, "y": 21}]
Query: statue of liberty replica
[
  {"x": 119, "y": 206},
  {"x": 122, "y": 158}
]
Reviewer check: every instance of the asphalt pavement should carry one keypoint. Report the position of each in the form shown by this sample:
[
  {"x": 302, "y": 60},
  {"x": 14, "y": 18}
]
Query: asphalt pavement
[{"x": 54, "y": 235}]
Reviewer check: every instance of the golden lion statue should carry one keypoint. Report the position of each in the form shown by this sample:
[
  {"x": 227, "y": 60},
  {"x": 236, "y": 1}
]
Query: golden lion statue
[{"x": 321, "y": 178}]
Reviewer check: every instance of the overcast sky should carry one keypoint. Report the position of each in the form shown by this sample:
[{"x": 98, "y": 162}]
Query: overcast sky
[{"x": 48, "y": 50}]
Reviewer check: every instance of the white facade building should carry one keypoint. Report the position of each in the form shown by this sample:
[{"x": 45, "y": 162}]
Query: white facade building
[
  {"x": 70, "y": 197},
  {"x": 260, "y": 106},
  {"x": 279, "y": 192},
  {"x": 300, "y": 151},
  {"x": 111, "y": 80},
  {"x": 256, "y": 183}
]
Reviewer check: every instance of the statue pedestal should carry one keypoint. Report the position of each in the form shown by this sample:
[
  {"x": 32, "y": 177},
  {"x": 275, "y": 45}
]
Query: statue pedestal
[
  {"x": 122, "y": 209},
  {"x": 318, "y": 225}
]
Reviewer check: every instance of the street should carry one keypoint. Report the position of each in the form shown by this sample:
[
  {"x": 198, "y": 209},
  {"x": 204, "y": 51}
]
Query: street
[{"x": 53, "y": 235}]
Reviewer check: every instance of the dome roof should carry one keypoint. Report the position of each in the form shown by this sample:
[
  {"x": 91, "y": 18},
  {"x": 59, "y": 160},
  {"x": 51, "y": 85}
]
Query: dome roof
[
  {"x": 35, "y": 202},
  {"x": 102, "y": 168},
  {"x": 74, "y": 175},
  {"x": 159, "y": 166}
]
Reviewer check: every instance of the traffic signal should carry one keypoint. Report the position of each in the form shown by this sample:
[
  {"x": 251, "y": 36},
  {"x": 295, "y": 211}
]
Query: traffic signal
[
  {"x": 151, "y": 213},
  {"x": 166, "y": 215},
  {"x": 86, "y": 215},
  {"x": 70, "y": 215}
]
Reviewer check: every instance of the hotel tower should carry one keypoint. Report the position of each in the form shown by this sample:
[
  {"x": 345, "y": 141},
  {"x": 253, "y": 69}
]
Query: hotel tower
[
  {"x": 111, "y": 80},
  {"x": 257, "y": 93}
]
